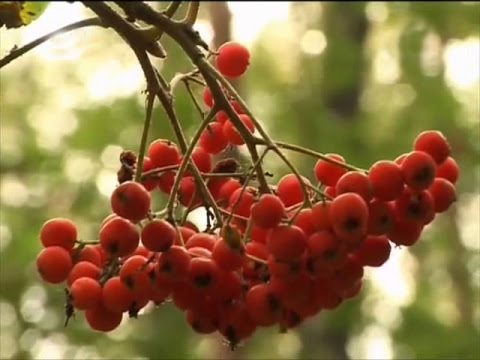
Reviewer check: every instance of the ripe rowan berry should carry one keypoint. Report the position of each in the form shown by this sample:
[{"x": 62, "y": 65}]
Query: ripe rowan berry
[
  {"x": 151, "y": 182},
  {"x": 232, "y": 60},
  {"x": 59, "y": 232},
  {"x": 232, "y": 134},
  {"x": 203, "y": 273},
  {"x": 305, "y": 221},
  {"x": 131, "y": 201},
  {"x": 119, "y": 237},
  {"x": 286, "y": 243},
  {"x": 84, "y": 269},
  {"x": 443, "y": 193},
  {"x": 241, "y": 201},
  {"x": 89, "y": 254},
  {"x": 418, "y": 170},
  {"x": 227, "y": 257},
  {"x": 380, "y": 217},
  {"x": 54, "y": 264},
  {"x": 101, "y": 319},
  {"x": 356, "y": 182},
  {"x": 325, "y": 251},
  {"x": 204, "y": 240},
  {"x": 135, "y": 273},
  {"x": 207, "y": 97},
  {"x": 212, "y": 139},
  {"x": 86, "y": 293},
  {"x": 163, "y": 153},
  {"x": 449, "y": 170},
  {"x": 348, "y": 215},
  {"x": 116, "y": 296},
  {"x": 415, "y": 206},
  {"x": 201, "y": 323},
  {"x": 227, "y": 189},
  {"x": 188, "y": 192},
  {"x": 290, "y": 191},
  {"x": 268, "y": 211},
  {"x": 387, "y": 180},
  {"x": 166, "y": 181},
  {"x": 263, "y": 305},
  {"x": 173, "y": 264},
  {"x": 222, "y": 115},
  {"x": 320, "y": 217},
  {"x": 328, "y": 173},
  {"x": 374, "y": 251},
  {"x": 202, "y": 160},
  {"x": 433, "y": 143},
  {"x": 158, "y": 235},
  {"x": 405, "y": 232}
]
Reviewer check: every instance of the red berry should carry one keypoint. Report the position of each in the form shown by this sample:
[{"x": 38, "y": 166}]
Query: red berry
[
  {"x": 158, "y": 235},
  {"x": 374, "y": 251},
  {"x": 387, "y": 180},
  {"x": 222, "y": 115},
  {"x": 59, "y": 232},
  {"x": 289, "y": 189},
  {"x": 91, "y": 255},
  {"x": 212, "y": 139},
  {"x": 380, "y": 217},
  {"x": 207, "y": 97},
  {"x": 286, "y": 243},
  {"x": 116, "y": 296},
  {"x": 204, "y": 240},
  {"x": 418, "y": 170},
  {"x": 131, "y": 201},
  {"x": 433, "y": 143},
  {"x": 233, "y": 59},
  {"x": 173, "y": 264},
  {"x": 305, "y": 221},
  {"x": 119, "y": 237},
  {"x": 328, "y": 173},
  {"x": 232, "y": 134},
  {"x": 415, "y": 206},
  {"x": 84, "y": 269},
  {"x": 227, "y": 189},
  {"x": 101, "y": 319},
  {"x": 405, "y": 232},
  {"x": 349, "y": 216},
  {"x": 263, "y": 305},
  {"x": 201, "y": 323},
  {"x": 163, "y": 153},
  {"x": 188, "y": 193},
  {"x": 268, "y": 211},
  {"x": 166, "y": 181},
  {"x": 443, "y": 193},
  {"x": 320, "y": 217},
  {"x": 151, "y": 182},
  {"x": 356, "y": 182},
  {"x": 86, "y": 293},
  {"x": 203, "y": 273},
  {"x": 241, "y": 202},
  {"x": 202, "y": 160},
  {"x": 228, "y": 258},
  {"x": 449, "y": 170},
  {"x": 54, "y": 264}
]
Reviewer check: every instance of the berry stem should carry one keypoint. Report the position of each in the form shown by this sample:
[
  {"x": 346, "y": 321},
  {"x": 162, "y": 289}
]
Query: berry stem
[
  {"x": 87, "y": 242},
  {"x": 183, "y": 167},
  {"x": 247, "y": 180},
  {"x": 192, "y": 96},
  {"x": 313, "y": 153},
  {"x": 256, "y": 259},
  {"x": 266, "y": 138},
  {"x": 143, "y": 142}
]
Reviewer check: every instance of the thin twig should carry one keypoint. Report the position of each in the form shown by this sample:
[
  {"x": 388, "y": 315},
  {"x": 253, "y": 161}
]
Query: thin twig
[
  {"x": 192, "y": 13},
  {"x": 143, "y": 142},
  {"x": 17, "y": 52}
]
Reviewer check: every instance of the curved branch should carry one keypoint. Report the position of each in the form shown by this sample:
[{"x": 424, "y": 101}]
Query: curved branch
[{"x": 16, "y": 53}]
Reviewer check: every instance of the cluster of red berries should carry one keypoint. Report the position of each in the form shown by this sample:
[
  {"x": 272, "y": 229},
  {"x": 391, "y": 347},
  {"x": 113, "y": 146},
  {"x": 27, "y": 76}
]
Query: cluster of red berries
[{"x": 273, "y": 262}]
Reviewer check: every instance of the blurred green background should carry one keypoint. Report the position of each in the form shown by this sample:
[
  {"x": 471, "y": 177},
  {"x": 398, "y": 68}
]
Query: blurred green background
[{"x": 362, "y": 79}]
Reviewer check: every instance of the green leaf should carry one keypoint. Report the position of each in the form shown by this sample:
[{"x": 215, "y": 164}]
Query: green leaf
[{"x": 15, "y": 14}]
